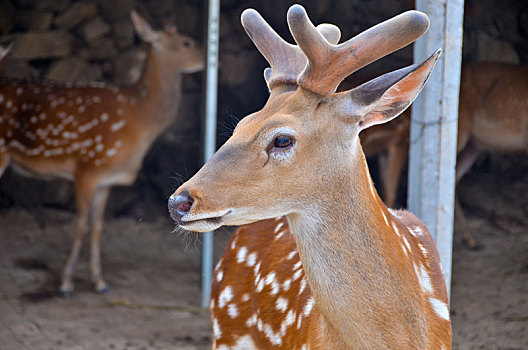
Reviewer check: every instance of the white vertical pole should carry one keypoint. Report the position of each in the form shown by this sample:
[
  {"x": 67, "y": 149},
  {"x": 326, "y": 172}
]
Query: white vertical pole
[
  {"x": 434, "y": 124},
  {"x": 211, "y": 89}
]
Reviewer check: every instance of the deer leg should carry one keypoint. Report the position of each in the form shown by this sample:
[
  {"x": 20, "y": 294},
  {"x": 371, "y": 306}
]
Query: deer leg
[
  {"x": 99, "y": 206},
  {"x": 465, "y": 160},
  {"x": 391, "y": 173},
  {"x": 84, "y": 199}
]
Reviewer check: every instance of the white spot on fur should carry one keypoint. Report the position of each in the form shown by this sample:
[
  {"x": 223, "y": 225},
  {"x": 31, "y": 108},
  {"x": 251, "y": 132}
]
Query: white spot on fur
[
  {"x": 270, "y": 277},
  {"x": 286, "y": 284},
  {"x": 225, "y": 296},
  {"x": 219, "y": 275},
  {"x": 440, "y": 308},
  {"x": 260, "y": 286},
  {"x": 422, "y": 248},
  {"x": 425, "y": 280},
  {"x": 216, "y": 329},
  {"x": 252, "y": 321},
  {"x": 251, "y": 259},
  {"x": 118, "y": 125},
  {"x": 111, "y": 152},
  {"x": 256, "y": 269},
  {"x": 406, "y": 243},
  {"x": 308, "y": 307},
  {"x": 417, "y": 230},
  {"x": 297, "y": 274},
  {"x": 395, "y": 227},
  {"x": 274, "y": 337},
  {"x": 278, "y": 227},
  {"x": 242, "y": 343},
  {"x": 297, "y": 265},
  {"x": 289, "y": 320},
  {"x": 245, "y": 297},
  {"x": 104, "y": 117},
  {"x": 280, "y": 235},
  {"x": 232, "y": 310},
  {"x": 274, "y": 288},
  {"x": 303, "y": 286},
  {"x": 241, "y": 255},
  {"x": 281, "y": 304}
]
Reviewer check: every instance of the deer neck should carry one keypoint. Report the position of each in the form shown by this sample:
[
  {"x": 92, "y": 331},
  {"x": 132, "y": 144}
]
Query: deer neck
[
  {"x": 159, "y": 90},
  {"x": 346, "y": 246}
]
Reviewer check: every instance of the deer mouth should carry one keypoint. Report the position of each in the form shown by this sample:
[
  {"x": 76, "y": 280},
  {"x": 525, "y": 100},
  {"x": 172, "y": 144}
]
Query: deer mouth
[{"x": 204, "y": 222}]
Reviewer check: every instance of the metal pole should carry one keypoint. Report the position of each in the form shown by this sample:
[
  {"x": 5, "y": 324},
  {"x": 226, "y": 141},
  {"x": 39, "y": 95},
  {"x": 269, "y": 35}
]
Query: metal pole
[
  {"x": 210, "y": 132},
  {"x": 434, "y": 124}
]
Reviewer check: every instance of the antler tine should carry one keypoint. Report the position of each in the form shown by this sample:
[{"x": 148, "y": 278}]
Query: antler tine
[
  {"x": 330, "y": 32},
  {"x": 329, "y": 64},
  {"x": 286, "y": 60},
  {"x": 283, "y": 57}
]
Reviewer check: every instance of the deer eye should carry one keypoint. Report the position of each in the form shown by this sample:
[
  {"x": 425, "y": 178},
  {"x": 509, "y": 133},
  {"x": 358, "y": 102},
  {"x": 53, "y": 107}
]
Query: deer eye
[
  {"x": 282, "y": 141},
  {"x": 187, "y": 44}
]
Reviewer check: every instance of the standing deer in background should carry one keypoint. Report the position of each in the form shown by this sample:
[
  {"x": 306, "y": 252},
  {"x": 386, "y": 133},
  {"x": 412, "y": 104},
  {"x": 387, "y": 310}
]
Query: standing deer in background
[
  {"x": 94, "y": 134},
  {"x": 493, "y": 117},
  {"x": 341, "y": 271}
]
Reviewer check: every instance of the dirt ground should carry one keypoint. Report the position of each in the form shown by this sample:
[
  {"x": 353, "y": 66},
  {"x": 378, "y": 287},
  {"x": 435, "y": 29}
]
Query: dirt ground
[{"x": 155, "y": 277}]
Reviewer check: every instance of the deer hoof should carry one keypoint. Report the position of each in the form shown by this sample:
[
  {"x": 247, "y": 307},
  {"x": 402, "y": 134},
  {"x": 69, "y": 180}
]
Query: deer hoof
[
  {"x": 101, "y": 288},
  {"x": 66, "y": 294}
]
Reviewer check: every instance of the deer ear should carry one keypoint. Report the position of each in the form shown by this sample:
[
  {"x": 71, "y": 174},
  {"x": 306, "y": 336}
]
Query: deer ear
[
  {"x": 384, "y": 98},
  {"x": 143, "y": 29}
]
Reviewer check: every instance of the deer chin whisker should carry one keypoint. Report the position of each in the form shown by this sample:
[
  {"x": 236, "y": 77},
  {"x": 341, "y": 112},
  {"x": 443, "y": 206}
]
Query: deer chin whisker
[{"x": 203, "y": 222}]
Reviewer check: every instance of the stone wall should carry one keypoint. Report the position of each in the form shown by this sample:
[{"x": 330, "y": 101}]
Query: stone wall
[{"x": 69, "y": 40}]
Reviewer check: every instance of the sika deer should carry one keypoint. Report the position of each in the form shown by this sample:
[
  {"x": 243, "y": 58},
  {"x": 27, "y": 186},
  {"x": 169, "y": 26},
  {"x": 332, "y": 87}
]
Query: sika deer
[
  {"x": 341, "y": 271},
  {"x": 94, "y": 134},
  {"x": 493, "y": 117}
]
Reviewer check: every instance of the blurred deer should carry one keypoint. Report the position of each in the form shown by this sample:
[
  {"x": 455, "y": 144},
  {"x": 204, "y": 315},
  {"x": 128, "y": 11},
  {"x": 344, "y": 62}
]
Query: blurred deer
[
  {"x": 341, "y": 271},
  {"x": 493, "y": 117},
  {"x": 94, "y": 134}
]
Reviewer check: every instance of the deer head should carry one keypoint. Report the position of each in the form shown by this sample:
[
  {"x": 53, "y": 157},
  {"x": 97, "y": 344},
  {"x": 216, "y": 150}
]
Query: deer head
[
  {"x": 180, "y": 50},
  {"x": 303, "y": 146}
]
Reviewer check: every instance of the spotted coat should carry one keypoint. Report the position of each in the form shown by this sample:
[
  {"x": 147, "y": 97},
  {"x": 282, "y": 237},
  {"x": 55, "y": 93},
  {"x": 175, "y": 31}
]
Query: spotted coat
[{"x": 261, "y": 298}]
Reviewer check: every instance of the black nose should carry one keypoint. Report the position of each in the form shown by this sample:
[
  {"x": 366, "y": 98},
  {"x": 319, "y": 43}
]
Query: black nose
[{"x": 180, "y": 205}]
